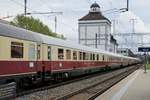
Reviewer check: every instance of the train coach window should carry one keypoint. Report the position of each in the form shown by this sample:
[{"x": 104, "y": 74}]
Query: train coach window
[
  {"x": 60, "y": 54},
  {"x": 16, "y": 50},
  {"x": 93, "y": 56},
  {"x": 74, "y": 55},
  {"x": 38, "y": 51},
  {"x": 103, "y": 58},
  {"x": 97, "y": 57},
  {"x": 80, "y": 55},
  {"x": 31, "y": 52},
  {"x": 49, "y": 53},
  {"x": 68, "y": 54},
  {"x": 84, "y": 55}
]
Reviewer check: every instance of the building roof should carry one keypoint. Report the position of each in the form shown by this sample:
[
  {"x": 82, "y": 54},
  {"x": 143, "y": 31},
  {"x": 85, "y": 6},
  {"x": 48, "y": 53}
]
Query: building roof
[{"x": 94, "y": 16}]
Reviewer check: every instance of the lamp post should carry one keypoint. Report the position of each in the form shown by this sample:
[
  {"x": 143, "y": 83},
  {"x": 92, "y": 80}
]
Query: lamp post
[{"x": 145, "y": 62}]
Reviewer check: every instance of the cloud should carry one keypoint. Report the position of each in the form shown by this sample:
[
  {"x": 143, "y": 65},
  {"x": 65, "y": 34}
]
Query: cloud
[{"x": 126, "y": 23}]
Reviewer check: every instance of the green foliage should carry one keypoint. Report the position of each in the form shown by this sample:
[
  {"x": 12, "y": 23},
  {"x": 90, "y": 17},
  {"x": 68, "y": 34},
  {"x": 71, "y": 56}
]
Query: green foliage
[{"x": 34, "y": 25}]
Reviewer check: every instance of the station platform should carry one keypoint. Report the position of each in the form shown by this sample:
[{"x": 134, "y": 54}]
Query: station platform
[{"x": 134, "y": 87}]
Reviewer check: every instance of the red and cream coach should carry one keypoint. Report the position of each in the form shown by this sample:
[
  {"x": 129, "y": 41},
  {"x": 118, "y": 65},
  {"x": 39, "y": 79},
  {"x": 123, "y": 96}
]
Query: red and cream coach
[{"x": 27, "y": 56}]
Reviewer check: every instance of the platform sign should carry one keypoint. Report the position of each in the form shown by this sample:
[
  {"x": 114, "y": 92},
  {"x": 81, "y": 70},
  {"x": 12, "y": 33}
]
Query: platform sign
[{"x": 144, "y": 49}]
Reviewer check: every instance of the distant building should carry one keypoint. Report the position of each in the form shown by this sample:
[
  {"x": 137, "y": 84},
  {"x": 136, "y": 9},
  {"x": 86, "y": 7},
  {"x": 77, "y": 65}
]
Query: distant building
[
  {"x": 113, "y": 46},
  {"x": 125, "y": 52},
  {"x": 95, "y": 30}
]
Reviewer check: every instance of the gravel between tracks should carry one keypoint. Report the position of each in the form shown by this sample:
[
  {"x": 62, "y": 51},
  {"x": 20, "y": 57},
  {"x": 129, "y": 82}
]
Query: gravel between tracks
[{"x": 54, "y": 93}]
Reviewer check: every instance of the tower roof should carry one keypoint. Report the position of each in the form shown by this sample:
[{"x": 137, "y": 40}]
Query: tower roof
[
  {"x": 95, "y": 5},
  {"x": 94, "y": 14}
]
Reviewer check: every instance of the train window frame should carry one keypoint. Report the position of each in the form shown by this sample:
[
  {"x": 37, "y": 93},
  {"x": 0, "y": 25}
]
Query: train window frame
[
  {"x": 74, "y": 55},
  {"x": 49, "y": 53},
  {"x": 60, "y": 54},
  {"x": 68, "y": 54},
  {"x": 18, "y": 45},
  {"x": 31, "y": 52}
]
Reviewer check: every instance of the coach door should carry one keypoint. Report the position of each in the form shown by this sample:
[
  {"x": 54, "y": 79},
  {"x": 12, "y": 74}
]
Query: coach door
[
  {"x": 38, "y": 61},
  {"x": 31, "y": 55}
]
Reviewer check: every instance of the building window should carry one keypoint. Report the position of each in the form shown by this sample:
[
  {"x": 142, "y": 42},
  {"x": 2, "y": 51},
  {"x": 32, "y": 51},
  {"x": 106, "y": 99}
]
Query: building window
[
  {"x": 74, "y": 55},
  {"x": 60, "y": 54},
  {"x": 16, "y": 50},
  {"x": 49, "y": 53},
  {"x": 38, "y": 52},
  {"x": 68, "y": 54},
  {"x": 31, "y": 53}
]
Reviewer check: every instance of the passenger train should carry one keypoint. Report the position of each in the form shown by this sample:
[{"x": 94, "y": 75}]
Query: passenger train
[{"x": 27, "y": 57}]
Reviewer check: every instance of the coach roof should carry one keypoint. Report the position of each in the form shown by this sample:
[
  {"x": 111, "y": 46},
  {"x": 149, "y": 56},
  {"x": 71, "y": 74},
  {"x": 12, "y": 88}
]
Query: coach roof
[
  {"x": 19, "y": 33},
  {"x": 72, "y": 45}
]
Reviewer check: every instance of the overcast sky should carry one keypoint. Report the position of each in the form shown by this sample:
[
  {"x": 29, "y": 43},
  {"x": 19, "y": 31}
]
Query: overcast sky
[{"x": 75, "y": 9}]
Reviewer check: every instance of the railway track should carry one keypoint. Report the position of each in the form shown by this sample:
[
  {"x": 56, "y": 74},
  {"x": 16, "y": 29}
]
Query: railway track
[
  {"x": 49, "y": 86},
  {"x": 93, "y": 91},
  {"x": 82, "y": 89}
]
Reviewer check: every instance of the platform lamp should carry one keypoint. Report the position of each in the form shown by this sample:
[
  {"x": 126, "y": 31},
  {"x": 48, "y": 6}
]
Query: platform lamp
[{"x": 145, "y": 62}]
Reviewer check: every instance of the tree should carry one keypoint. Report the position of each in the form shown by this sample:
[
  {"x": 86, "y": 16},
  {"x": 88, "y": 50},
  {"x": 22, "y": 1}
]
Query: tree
[{"x": 33, "y": 24}]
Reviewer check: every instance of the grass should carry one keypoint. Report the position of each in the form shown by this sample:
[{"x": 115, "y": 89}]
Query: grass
[{"x": 148, "y": 66}]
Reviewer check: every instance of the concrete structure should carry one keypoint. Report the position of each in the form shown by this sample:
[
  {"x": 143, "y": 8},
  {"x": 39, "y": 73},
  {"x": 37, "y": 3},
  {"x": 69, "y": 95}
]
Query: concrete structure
[
  {"x": 134, "y": 87},
  {"x": 125, "y": 52},
  {"x": 4, "y": 21},
  {"x": 95, "y": 30}
]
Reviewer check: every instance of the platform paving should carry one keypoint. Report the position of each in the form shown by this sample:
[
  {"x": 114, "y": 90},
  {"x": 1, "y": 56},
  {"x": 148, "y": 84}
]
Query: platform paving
[{"x": 134, "y": 87}]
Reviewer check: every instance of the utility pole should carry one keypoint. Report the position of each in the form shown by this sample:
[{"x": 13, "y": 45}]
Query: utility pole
[
  {"x": 46, "y": 13},
  {"x": 133, "y": 24},
  {"x": 25, "y": 11},
  {"x": 96, "y": 40},
  {"x": 114, "y": 25},
  {"x": 25, "y": 7},
  {"x": 127, "y": 5},
  {"x": 55, "y": 24}
]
